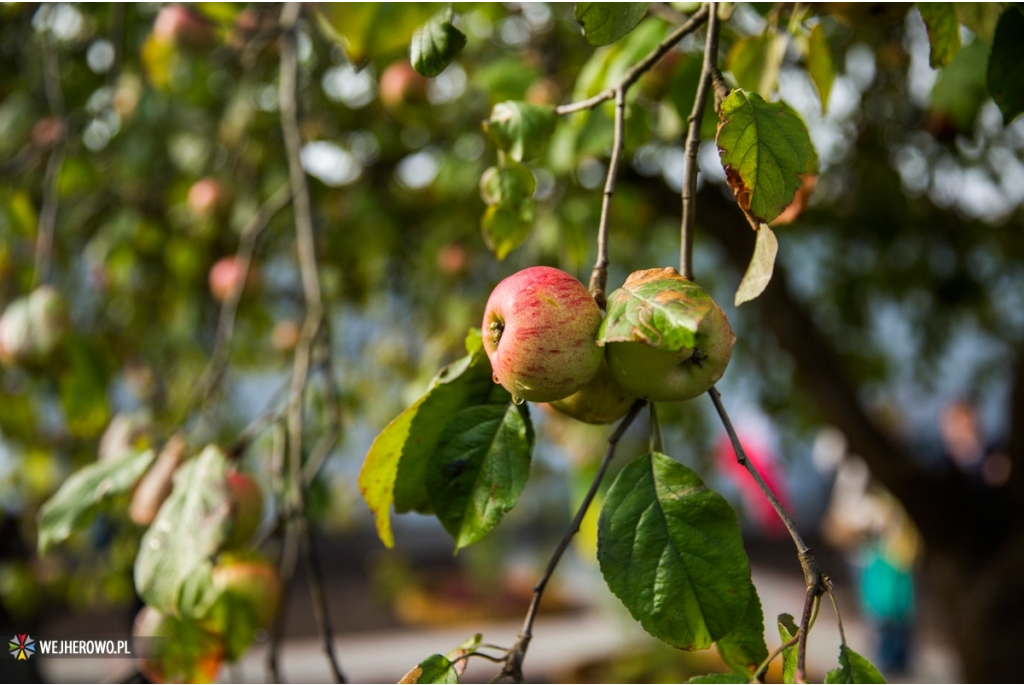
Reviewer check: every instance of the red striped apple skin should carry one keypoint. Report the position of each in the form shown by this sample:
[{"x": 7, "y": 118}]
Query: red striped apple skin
[{"x": 539, "y": 332}]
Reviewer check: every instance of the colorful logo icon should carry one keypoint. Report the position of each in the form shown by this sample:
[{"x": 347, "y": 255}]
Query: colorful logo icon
[{"x": 22, "y": 647}]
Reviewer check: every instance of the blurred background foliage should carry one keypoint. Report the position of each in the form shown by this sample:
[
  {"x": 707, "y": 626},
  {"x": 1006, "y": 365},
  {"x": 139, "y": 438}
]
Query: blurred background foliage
[{"x": 909, "y": 256}]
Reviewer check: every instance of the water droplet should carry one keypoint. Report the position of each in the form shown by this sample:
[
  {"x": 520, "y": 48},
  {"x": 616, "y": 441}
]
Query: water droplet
[
  {"x": 517, "y": 400},
  {"x": 154, "y": 544},
  {"x": 495, "y": 379}
]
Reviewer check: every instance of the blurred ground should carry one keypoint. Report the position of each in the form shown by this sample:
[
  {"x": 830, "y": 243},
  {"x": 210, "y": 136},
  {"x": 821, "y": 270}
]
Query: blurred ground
[{"x": 591, "y": 643}]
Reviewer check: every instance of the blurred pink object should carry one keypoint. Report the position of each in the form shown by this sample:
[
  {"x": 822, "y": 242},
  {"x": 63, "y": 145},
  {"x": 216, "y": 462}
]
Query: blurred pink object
[{"x": 756, "y": 505}]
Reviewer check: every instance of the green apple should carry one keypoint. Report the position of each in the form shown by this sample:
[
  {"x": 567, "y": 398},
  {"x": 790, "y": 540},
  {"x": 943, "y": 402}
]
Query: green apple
[
  {"x": 539, "y": 331},
  {"x": 600, "y": 401},
  {"x": 250, "y": 583},
  {"x": 667, "y": 376}
]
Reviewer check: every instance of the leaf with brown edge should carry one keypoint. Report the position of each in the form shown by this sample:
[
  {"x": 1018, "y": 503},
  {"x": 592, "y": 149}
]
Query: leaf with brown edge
[{"x": 765, "y": 150}]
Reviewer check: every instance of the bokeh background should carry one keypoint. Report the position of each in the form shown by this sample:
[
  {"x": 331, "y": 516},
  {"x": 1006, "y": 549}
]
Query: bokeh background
[{"x": 879, "y": 381}]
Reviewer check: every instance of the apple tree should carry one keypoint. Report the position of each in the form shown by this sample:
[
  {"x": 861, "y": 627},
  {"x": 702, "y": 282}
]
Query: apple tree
[{"x": 198, "y": 197}]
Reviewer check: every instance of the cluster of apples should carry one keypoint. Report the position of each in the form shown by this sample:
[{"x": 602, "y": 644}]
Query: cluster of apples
[{"x": 540, "y": 332}]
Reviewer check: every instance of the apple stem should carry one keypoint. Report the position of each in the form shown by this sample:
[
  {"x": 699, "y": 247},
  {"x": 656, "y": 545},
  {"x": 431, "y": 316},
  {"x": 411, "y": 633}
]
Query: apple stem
[
  {"x": 817, "y": 582},
  {"x": 692, "y": 147},
  {"x": 517, "y": 653}
]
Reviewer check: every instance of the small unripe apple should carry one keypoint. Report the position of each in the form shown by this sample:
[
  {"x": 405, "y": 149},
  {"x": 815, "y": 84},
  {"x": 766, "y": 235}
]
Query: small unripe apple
[
  {"x": 246, "y": 508},
  {"x": 206, "y": 196},
  {"x": 179, "y": 25},
  {"x": 227, "y": 277},
  {"x": 539, "y": 332},
  {"x": 452, "y": 260},
  {"x": 660, "y": 375},
  {"x": 600, "y": 401},
  {"x": 402, "y": 85},
  {"x": 285, "y": 335},
  {"x": 182, "y": 653},
  {"x": 254, "y": 583},
  {"x": 33, "y": 326}
]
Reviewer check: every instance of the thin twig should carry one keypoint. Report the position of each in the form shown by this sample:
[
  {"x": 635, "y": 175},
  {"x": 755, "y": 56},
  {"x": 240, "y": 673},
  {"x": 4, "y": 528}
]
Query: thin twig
[
  {"x": 771, "y": 657},
  {"x": 835, "y": 606},
  {"x": 306, "y": 248},
  {"x": 693, "y": 144},
  {"x": 214, "y": 371},
  {"x": 322, "y": 449},
  {"x": 813, "y": 577},
  {"x": 48, "y": 212},
  {"x": 514, "y": 659},
  {"x": 286, "y": 570},
  {"x": 599, "y": 275},
  {"x": 641, "y": 67},
  {"x": 319, "y": 599}
]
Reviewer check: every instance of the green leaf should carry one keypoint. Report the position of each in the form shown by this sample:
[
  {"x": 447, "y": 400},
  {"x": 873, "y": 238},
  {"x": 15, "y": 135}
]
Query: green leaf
[
  {"x": 820, "y": 65},
  {"x": 961, "y": 87},
  {"x": 521, "y": 129},
  {"x": 505, "y": 228},
  {"x": 744, "y": 648},
  {"x": 509, "y": 185},
  {"x": 943, "y": 31},
  {"x": 671, "y": 550},
  {"x": 762, "y": 265},
  {"x": 608, "y": 65},
  {"x": 980, "y": 17},
  {"x": 657, "y": 307},
  {"x": 765, "y": 149},
  {"x": 606, "y": 22},
  {"x": 1006, "y": 65},
  {"x": 394, "y": 471},
  {"x": 84, "y": 491},
  {"x": 853, "y": 668},
  {"x": 787, "y": 629},
  {"x": 174, "y": 555},
  {"x": 480, "y": 468},
  {"x": 719, "y": 678},
  {"x": 755, "y": 62},
  {"x": 434, "y": 669},
  {"x": 435, "y": 44},
  {"x": 372, "y": 28}
]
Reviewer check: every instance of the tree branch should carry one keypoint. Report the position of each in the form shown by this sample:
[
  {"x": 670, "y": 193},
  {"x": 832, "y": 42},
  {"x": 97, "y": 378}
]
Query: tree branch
[
  {"x": 692, "y": 147},
  {"x": 517, "y": 653},
  {"x": 599, "y": 275},
  {"x": 641, "y": 67},
  {"x": 214, "y": 371},
  {"x": 48, "y": 212},
  {"x": 298, "y": 524},
  {"x": 943, "y": 505},
  {"x": 813, "y": 577}
]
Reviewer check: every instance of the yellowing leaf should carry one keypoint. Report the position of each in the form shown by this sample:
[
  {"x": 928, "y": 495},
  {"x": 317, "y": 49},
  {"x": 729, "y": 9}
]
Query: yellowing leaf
[{"x": 762, "y": 265}]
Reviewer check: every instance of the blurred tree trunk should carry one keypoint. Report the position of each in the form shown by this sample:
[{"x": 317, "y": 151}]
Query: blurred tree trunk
[{"x": 974, "y": 536}]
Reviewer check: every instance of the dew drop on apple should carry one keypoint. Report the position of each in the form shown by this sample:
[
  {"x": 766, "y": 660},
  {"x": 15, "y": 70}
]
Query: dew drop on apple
[
  {"x": 517, "y": 400},
  {"x": 495, "y": 379}
]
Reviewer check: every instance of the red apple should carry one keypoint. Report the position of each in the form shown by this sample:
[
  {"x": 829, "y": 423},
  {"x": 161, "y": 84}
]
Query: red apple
[
  {"x": 246, "y": 508},
  {"x": 179, "y": 25},
  {"x": 539, "y": 332},
  {"x": 402, "y": 85},
  {"x": 227, "y": 277},
  {"x": 660, "y": 375},
  {"x": 206, "y": 196}
]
